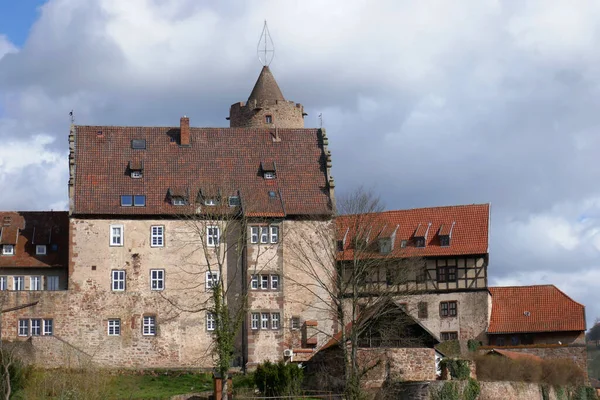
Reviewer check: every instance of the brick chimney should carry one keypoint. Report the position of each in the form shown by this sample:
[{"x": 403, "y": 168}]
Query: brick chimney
[{"x": 184, "y": 131}]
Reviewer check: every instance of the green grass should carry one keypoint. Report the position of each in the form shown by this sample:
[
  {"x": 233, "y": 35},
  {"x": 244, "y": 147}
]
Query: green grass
[{"x": 160, "y": 385}]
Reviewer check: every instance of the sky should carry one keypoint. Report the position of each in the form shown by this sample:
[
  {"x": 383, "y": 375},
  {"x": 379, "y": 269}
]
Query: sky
[{"x": 425, "y": 103}]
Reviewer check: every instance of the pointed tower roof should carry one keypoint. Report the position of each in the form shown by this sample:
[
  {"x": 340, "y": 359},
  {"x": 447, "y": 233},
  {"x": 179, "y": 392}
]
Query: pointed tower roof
[{"x": 266, "y": 88}]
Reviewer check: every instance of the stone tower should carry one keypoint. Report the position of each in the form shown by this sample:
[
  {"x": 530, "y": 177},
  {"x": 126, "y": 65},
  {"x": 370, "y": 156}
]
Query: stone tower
[{"x": 266, "y": 107}]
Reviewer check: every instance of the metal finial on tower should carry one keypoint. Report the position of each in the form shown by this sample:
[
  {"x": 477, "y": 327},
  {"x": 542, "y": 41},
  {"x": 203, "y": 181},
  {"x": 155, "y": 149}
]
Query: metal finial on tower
[
  {"x": 72, "y": 117},
  {"x": 320, "y": 120},
  {"x": 265, "y": 48}
]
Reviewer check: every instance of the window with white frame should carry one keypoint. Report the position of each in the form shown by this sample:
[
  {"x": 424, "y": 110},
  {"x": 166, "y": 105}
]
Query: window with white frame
[
  {"x": 157, "y": 279},
  {"x": 275, "y": 282},
  {"x": 149, "y": 325},
  {"x": 116, "y": 235},
  {"x": 210, "y": 321},
  {"x": 212, "y": 236},
  {"x": 295, "y": 323},
  {"x": 40, "y": 249},
  {"x": 264, "y": 234},
  {"x": 118, "y": 280},
  {"x": 275, "y": 321},
  {"x": 157, "y": 236},
  {"x": 52, "y": 282},
  {"x": 274, "y": 234},
  {"x": 254, "y": 317},
  {"x": 264, "y": 321},
  {"x": 8, "y": 250},
  {"x": 264, "y": 281},
  {"x": 212, "y": 278},
  {"x": 254, "y": 281},
  {"x": 23, "y": 327},
  {"x": 18, "y": 282},
  {"x": 36, "y": 327},
  {"x": 114, "y": 327},
  {"x": 254, "y": 234},
  {"x": 3, "y": 283},
  {"x": 35, "y": 283},
  {"x": 48, "y": 327}
]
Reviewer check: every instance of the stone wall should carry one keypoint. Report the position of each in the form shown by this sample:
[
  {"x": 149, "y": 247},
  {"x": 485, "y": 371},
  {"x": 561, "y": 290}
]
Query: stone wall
[
  {"x": 403, "y": 364},
  {"x": 284, "y": 114}
]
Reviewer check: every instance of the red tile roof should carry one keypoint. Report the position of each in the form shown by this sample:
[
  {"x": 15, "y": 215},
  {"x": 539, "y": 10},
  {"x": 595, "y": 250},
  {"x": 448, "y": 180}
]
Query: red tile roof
[
  {"x": 469, "y": 233},
  {"x": 549, "y": 310},
  {"x": 37, "y": 228},
  {"x": 515, "y": 355},
  {"x": 219, "y": 160}
]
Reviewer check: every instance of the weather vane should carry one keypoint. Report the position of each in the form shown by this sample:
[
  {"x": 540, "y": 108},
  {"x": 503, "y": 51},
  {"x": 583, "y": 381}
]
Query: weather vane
[{"x": 265, "y": 48}]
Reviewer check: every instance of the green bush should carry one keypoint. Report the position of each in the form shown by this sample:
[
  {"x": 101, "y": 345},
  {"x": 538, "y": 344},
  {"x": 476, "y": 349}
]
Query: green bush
[
  {"x": 472, "y": 390},
  {"x": 473, "y": 345},
  {"x": 450, "y": 391},
  {"x": 458, "y": 369},
  {"x": 279, "y": 379}
]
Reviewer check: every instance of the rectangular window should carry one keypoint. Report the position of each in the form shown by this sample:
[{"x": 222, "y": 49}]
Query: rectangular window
[
  {"x": 422, "y": 309},
  {"x": 23, "y": 327},
  {"x": 52, "y": 283},
  {"x": 3, "y": 283},
  {"x": 126, "y": 201},
  {"x": 264, "y": 321},
  {"x": 149, "y": 326},
  {"x": 442, "y": 274},
  {"x": 274, "y": 234},
  {"x": 210, "y": 321},
  {"x": 118, "y": 280},
  {"x": 40, "y": 249},
  {"x": 48, "y": 327},
  {"x": 254, "y": 281},
  {"x": 275, "y": 282},
  {"x": 254, "y": 320},
  {"x": 138, "y": 144},
  {"x": 254, "y": 234},
  {"x": 116, "y": 235},
  {"x": 449, "y": 336},
  {"x": 275, "y": 321},
  {"x": 444, "y": 309},
  {"x": 264, "y": 281},
  {"x": 178, "y": 201},
  {"x": 157, "y": 279},
  {"x": 36, "y": 327},
  {"x": 139, "y": 201},
  {"x": 295, "y": 323},
  {"x": 452, "y": 309},
  {"x": 35, "y": 283},
  {"x": 234, "y": 201},
  {"x": 451, "y": 274},
  {"x": 422, "y": 275},
  {"x": 264, "y": 234},
  {"x": 212, "y": 236},
  {"x": 157, "y": 236},
  {"x": 212, "y": 278},
  {"x": 114, "y": 327},
  {"x": 8, "y": 250},
  {"x": 18, "y": 283}
]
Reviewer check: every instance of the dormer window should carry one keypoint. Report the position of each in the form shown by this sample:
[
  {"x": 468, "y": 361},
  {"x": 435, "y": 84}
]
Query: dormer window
[
  {"x": 419, "y": 242},
  {"x": 385, "y": 245},
  {"x": 444, "y": 240},
  {"x": 178, "y": 201},
  {"x": 234, "y": 201},
  {"x": 268, "y": 169},
  {"x": 136, "y": 169},
  {"x": 445, "y": 234},
  {"x": 420, "y": 236},
  {"x": 211, "y": 201},
  {"x": 269, "y": 175},
  {"x": 136, "y": 174},
  {"x": 268, "y": 119},
  {"x": 8, "y": 250}
]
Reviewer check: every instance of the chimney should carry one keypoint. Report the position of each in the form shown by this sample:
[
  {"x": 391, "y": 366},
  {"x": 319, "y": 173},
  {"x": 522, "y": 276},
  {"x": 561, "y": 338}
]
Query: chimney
[{"x": 184, "y": 131}]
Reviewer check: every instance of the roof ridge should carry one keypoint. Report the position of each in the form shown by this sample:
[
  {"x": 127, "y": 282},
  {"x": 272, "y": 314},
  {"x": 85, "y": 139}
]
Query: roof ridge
[{"x": 418, "y": 209}]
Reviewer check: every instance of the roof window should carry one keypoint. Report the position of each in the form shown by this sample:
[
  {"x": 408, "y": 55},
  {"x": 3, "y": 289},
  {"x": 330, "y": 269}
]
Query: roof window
[
  {"x": 269, "y": 175},
  {"x": 126, "y": 201},
  {"x": 178, "y": 201},
  {"x": 138, "y": 144},
  {"x": 210, "y": 201},
  {"x": 445, "y": 234},
  {"x": 234, "y": 201},
  {"x": 135, "y": 201},
  {"x": 136, "y": 174}
]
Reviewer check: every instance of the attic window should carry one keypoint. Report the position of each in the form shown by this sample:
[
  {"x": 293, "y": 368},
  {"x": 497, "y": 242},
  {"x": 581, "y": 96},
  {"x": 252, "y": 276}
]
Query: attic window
[
  {"x": 178, "y": 201},
  {"x": 211, "y": 201},
  {"x": 138, "y": 144},
  {"x": 385, "y": 246},
  {"x": 403, "y": 243},
  {"x": 269, "y": 175},
  {"x": 139, "y": 201},
  {"x": 8, "y": 250},
  {"x": 136, "y": 174},
  {"x": 420, "y": 242},
  {"x": 444, "y": 240},
  {"x": 126, "y": 201},
  {"x": 268, "y": 119},
  {"x": 234, "y": 201}
]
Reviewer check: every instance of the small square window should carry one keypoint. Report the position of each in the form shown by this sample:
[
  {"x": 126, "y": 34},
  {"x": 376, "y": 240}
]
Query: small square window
[
  {"x": 114, "y": 327},
  {"x": 157, "y": 279},
  {"x": 126, "y": 200},
  {"x": 149, "y": 326},
  {"x": 234, "y": 201},
  {"x": 268, "y": 119},
  {"x": 8, "y": 250},
  {"x": 40, "y": 249},
  {"x": 139, "y": 201},
  {"x": 210, "y": 321}
]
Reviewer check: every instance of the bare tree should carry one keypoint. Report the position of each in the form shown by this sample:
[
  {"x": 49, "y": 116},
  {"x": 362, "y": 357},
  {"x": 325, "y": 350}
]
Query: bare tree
[
  {"x": 215, "y": 266},
  {"x": 353, "y": 268}
]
